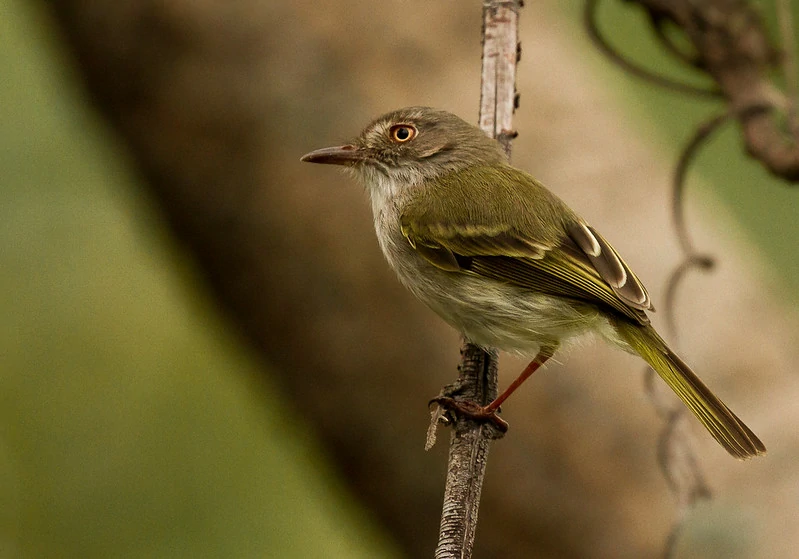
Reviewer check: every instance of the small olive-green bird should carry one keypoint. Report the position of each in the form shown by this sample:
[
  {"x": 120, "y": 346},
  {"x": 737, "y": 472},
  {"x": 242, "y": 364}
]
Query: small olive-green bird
[{"x": 504, "y": 260}]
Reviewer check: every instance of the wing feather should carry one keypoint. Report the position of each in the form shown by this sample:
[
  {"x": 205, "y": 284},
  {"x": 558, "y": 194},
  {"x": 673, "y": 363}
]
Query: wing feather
[{"x": 570, "y": 259}]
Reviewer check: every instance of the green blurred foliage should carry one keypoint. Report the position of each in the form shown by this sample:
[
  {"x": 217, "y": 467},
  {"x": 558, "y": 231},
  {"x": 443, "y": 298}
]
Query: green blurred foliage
[{"x": 133, "y": 422}]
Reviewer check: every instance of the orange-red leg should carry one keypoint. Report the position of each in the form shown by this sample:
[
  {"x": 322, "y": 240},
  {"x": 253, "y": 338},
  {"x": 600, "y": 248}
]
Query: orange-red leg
[
  {"x": 543, "y": 356},
  {"x": 489, "y": 412}
]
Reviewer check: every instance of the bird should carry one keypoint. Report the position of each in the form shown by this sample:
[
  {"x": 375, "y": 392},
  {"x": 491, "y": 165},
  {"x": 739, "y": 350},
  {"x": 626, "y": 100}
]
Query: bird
[{"x": 505, "y": 261}]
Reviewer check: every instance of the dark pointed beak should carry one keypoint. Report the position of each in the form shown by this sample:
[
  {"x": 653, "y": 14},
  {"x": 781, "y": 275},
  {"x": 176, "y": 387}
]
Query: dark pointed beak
[{"x": 339, "y": 155}]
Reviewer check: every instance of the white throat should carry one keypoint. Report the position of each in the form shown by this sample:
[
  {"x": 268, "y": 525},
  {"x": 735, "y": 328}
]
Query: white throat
[{"x": 387, "y": 191}]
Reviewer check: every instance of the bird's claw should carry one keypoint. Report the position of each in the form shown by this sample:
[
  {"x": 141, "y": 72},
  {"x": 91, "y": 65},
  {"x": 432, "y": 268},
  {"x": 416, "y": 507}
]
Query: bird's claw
[{"x": 473, "y": 411}]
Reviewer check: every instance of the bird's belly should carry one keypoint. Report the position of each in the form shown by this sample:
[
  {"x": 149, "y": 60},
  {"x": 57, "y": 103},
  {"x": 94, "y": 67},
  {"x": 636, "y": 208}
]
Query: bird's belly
[{"x": 491, "y": 313}]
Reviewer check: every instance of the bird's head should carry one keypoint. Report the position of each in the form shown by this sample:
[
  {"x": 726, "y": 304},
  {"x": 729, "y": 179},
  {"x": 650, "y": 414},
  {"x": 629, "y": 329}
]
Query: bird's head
[{"x": 408, "y": 146}]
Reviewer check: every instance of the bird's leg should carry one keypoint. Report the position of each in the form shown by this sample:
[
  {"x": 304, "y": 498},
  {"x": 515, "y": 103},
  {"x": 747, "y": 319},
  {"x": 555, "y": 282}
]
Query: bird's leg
[
  {"x": 489, "y": 412},
  {"x": 543, "y": 355}
]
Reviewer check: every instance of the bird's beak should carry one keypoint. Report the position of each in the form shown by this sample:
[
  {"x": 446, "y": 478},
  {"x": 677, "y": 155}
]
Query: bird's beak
[{"x": 339, "y": 155}]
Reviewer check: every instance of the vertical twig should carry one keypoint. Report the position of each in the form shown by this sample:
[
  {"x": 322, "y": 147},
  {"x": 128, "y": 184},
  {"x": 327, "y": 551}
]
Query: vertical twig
[
  {"x": 470, "y": 441},
  {"x": 468, "y": 455}
]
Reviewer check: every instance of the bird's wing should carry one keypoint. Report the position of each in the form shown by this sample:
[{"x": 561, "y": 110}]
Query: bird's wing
[{"x": 567, "y": 257}]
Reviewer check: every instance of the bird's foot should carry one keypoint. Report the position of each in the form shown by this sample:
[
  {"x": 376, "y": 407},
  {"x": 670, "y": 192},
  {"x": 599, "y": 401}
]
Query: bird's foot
[{"x": 473, "y": 411}]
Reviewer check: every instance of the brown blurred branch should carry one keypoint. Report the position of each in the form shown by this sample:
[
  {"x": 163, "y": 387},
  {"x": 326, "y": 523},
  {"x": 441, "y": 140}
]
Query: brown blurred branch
[
  {"x": 692, "y": 259},
  {"x": 590, "y": 20},
  {"x": 733, "y": 49},
  {"x": 478, "y": 379},
  {"x": 789, "y": 69}
]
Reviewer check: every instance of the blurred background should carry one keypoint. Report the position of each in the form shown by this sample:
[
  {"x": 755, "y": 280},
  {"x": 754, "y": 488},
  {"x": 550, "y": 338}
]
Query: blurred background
[{"x": 203, "y": 354}]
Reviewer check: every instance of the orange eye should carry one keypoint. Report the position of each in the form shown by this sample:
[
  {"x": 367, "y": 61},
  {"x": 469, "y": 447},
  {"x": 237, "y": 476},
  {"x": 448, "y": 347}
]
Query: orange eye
[{"x": 402, "y": 133}]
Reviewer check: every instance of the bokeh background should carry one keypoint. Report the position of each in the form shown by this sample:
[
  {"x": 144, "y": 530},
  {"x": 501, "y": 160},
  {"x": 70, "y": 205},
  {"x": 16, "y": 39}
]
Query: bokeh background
[{"x": 203, "y": 354}]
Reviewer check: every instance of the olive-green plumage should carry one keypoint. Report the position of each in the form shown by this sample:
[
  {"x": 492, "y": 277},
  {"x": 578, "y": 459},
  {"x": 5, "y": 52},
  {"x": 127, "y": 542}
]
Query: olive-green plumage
[{"x": 504, "y": 260}]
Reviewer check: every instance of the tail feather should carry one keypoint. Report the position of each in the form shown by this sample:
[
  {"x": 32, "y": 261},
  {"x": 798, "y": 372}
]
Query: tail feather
[{"x": 718, "y": 419}]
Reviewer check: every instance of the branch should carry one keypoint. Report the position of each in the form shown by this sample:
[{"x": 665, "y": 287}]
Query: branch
[
  {"x": 589, "y": 18},
  {"x": 478, "y": 379},
  {"x": 733, "y": 49},
  {"x": 468, "y": 454}
]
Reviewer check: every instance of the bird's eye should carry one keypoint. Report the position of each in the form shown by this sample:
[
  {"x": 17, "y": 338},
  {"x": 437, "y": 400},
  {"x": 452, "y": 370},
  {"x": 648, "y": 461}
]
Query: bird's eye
[{"x": 402, "y": 133}]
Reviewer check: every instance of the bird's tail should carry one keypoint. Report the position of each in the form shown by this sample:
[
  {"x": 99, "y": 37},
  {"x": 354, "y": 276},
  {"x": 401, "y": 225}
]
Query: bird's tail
[{"x": 726, "y": 428}]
